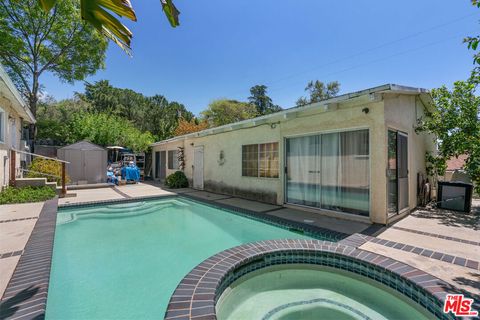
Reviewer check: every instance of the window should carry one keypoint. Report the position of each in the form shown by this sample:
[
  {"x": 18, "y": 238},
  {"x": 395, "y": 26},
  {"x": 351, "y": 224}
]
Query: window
[
  {"x": 172, "y": 159},
  {"x": 2, "y": 125},
  {"x": 260, "y": 160}
]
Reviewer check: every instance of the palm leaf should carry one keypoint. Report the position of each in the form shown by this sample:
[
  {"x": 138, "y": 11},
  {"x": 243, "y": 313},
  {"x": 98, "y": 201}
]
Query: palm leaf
[
  {"x": 171, "y": 12},
  {"x": 95, "y": 12}
]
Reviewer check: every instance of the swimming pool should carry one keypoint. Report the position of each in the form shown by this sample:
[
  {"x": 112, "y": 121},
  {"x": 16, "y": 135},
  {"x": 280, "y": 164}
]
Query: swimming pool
[
  {"x": 290, "y": 292},
  {"x": 123, "y": 261}
]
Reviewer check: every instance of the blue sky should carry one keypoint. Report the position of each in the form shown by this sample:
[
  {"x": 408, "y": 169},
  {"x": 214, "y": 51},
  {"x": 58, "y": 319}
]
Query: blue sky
[{"x": 222, "y": 48}]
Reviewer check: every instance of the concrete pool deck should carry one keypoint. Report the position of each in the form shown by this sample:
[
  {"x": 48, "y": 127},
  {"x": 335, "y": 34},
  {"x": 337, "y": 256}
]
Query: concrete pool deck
[
  {"x": 16, "y": 225},
  {"x": 426, "y": 240}
]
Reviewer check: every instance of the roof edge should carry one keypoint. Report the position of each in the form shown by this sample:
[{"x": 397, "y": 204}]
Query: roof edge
[{"x": 344, "y": 97}]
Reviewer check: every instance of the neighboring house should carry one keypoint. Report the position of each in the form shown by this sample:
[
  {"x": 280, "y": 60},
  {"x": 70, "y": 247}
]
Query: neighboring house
[
  {"x": 455, "y": 169},
  {"x": 14, "y": 115},
  {"x": 355, "y": 156}
]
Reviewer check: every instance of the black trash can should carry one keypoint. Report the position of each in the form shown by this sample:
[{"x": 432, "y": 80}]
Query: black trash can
[{"x": 455, "y": 196}]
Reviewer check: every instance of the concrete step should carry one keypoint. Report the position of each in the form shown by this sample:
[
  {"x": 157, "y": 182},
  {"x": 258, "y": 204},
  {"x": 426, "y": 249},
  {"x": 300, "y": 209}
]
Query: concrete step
[
  {"x": 52, "y": 185},
  {"x": 30, "y": 182}
]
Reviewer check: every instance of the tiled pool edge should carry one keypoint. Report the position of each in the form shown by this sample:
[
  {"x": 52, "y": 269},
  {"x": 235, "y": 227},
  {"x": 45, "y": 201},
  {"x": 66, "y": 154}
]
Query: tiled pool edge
[
  {"x": 26, "y": 294},
  {"x": 308, "y": 230},
  {"x": 196, "y": 295}
]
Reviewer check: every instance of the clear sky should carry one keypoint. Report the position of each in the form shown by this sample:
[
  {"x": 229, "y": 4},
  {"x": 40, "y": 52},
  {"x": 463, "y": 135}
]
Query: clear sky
[{"x": 223, "y": 47}]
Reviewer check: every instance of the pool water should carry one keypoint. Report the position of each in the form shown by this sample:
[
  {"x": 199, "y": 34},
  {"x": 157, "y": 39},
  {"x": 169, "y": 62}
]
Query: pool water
[
  {"x": 123, "y": 261},
  {"x": 293, "y": 292}
]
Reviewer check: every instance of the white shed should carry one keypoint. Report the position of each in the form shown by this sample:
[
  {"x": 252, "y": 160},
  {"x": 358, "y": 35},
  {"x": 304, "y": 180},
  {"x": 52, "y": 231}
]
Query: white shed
[{"x": 88, "y": 162}]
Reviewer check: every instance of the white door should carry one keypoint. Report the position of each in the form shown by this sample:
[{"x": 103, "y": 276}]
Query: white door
[{"x": 198, "y": 168}]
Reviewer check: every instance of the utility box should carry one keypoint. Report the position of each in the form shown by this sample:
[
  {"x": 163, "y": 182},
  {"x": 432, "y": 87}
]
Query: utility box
[
  {"x": 455, "y": 196},
  {"x": 88, "y": 162}
]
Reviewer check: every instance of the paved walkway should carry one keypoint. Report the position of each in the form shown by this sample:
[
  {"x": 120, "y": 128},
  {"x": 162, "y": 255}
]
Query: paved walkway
[
  {"x": 443, "y": 243},
  {"x": 16, "y": 225}
]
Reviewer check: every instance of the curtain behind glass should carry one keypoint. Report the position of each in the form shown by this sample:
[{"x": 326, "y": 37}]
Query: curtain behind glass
[{"x": 303, "y": 171}]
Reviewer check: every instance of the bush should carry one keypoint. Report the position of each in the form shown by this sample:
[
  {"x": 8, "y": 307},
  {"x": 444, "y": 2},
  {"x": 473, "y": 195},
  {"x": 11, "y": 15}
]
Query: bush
[
  {"x": 26, "y": 194},
  {"x": 51, "y": 167},
  {"x": 177, "y": 180}
]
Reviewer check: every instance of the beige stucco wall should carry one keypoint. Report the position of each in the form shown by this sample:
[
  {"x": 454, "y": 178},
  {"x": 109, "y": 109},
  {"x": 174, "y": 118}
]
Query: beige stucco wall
[
  {"x": 6, "y": 106},
  {"x": 402, "y": 113},
  {"x": 396, "y": 111}
]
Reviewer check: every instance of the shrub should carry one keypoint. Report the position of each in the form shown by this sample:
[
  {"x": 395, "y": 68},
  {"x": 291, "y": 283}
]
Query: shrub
[
  {"x": 52, "y": 168},
  {"x": 26, "y": 194},
  {"x": 177, "y": 180}
]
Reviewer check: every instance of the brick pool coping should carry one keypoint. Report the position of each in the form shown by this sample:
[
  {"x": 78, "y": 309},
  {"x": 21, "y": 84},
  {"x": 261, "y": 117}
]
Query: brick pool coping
[
  {"x": 196, "y": 295},
  {"x": 26, "y": 294}
]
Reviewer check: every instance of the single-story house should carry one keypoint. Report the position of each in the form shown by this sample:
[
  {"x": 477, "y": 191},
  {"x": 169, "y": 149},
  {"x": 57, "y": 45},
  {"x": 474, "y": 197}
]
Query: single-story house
[
  {"x": 354, "y": 156},
  {"x": 14, "y": 115}
]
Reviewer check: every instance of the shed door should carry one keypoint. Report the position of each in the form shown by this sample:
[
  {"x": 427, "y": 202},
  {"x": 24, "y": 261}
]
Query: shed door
[
  {"x": 198, "y": 168},
  {"x": 94, "y": 172}
]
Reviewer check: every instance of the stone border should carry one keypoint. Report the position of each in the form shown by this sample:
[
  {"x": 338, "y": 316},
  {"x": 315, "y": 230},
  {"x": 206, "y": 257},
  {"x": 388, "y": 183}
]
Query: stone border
[
  {"x": 196, "y": 295},
  {"x": 436, "y": 235},
  {"x": 26, "y": 294},
  {"x": 18, "y": 219},
  {"x": 428, "y": 253}
]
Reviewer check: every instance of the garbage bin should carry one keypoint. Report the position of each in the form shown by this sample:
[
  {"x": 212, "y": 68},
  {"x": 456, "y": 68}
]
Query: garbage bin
[{"x": 455, "y": 196}]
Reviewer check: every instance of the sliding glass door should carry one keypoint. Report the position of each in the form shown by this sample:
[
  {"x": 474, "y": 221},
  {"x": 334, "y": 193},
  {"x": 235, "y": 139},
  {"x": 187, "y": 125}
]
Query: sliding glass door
[{"x": 329, "y": 171}]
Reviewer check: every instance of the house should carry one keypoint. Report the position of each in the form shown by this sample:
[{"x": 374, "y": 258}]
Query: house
[
  {"x": 355, "y": 156},
  {"x": 14, "y": 115},
  {"x": 456, "y": 169}
]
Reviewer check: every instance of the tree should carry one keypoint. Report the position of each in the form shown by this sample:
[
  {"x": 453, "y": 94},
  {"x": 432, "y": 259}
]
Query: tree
[
  {"x": 318, "y": 91},
  {"x": 262, "y": 101},
  {"x": 154, "y": 114},
  {"x": 186, "y": 127},
  {"x": 224, "y": 111},
  {"x": 106, "y": 129},
  {"x": 455, "y": 122},
  {"x": 96, "y": 12},
  {"x": 35, "y": 42},
  {"x": 53, "y": 118},
  {"x": 473, "y": 42}
]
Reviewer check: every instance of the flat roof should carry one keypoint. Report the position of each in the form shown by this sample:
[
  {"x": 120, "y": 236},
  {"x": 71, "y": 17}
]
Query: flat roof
[{"x": 393, "y": 88}]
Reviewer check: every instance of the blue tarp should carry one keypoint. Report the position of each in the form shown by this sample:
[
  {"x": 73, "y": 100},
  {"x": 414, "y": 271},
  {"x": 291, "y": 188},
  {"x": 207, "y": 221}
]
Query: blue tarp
[{"x": 131, "y": 173}]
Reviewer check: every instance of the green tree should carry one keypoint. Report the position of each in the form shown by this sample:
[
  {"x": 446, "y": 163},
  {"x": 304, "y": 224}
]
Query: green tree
[
  {"x": 455, "y": 122},
  {"x": 96, "y": 13},
  {"x": 260, "y": 99},
  {"x": 34, "y": 42},
  {"x": 106, "y": 129},
  {"x": 318, "y": 91},
  {"x": 154, "y": 114},
  {"x": 224, "y": 111},
  {"x": 53, "y": 118}
]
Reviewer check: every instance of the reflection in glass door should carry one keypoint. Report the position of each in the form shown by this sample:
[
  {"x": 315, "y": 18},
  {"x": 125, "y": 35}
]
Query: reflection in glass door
[
  {"x": 329, "y": 171},
  {"x": 397, "y": 172}
]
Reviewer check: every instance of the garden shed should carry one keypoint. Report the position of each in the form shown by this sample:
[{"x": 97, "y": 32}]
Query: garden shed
[{"x": 88, "y": 162}]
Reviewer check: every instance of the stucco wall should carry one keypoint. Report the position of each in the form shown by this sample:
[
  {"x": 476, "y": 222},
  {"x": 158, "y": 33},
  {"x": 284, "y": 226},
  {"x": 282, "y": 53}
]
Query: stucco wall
[
  {"x": 227, "y": 177},
  {"x": 402, "y": 113},
  {"x": 5, "y": 145}
]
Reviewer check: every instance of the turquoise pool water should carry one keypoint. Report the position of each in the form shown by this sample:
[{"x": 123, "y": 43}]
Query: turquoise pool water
[
  {"x": 295, "y": 292},
  {"x": 123, "y": 261}
]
